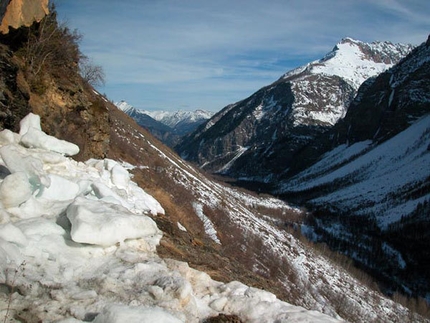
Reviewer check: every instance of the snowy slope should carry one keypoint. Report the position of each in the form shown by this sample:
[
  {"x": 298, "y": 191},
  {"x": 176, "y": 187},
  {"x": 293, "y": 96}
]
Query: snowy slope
[
  {"x": 77, "y": 244},
  {"x": 370, "y": 178},
  {"x": 249, "y": 230},
  {"x": 124, "y": 106},
  {"x": 352, "y": 61},
  {"x": 371, "y": 202}
]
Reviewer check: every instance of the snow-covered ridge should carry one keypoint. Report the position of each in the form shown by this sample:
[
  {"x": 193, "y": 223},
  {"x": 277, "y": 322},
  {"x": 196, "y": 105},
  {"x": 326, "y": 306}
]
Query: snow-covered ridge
[
  {"x": 173, "y": 118},
  {"x": 355, "y": 61},
  {"x": 77, "y": 242},
  {"x": 124, "y": 106},
  {"x": 169, "y": 118}
]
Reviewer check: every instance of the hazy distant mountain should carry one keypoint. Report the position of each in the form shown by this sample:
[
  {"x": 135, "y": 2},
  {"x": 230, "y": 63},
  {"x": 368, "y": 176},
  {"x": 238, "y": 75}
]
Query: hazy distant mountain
[
  {"x": 181, "y": 121},
  {"x": 168, "y": 126}
]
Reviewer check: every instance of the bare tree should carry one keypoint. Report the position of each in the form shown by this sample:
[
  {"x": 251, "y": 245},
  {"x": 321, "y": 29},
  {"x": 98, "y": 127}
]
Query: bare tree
[{"x": 91, "y": 73}]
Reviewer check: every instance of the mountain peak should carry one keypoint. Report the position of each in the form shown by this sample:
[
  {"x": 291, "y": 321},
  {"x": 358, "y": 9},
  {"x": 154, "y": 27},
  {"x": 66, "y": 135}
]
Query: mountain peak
[{"x": 355, "y": 61}]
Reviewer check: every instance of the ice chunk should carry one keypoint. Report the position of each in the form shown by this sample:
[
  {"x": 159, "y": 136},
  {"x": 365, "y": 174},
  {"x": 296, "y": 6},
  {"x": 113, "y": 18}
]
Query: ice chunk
[
  {"x": 120, "y": 177},
  {"x": 15, "y": 189},
  {"x": 9, "y": 253},
  {"x": 35, "y": 138},
  {"x": 100, "y": 223},
  {"x": 39, "y": 227},
  {"x": 8, "y": 137},
  {"x": 31, "y": 120},
  {"x": 102, "y": 191},
  {"x": 17, "y": 160},
  {"x": 60, "y": 189},
  {"x": 143, "y": 202},
  {"x": 137, "y": 314}
]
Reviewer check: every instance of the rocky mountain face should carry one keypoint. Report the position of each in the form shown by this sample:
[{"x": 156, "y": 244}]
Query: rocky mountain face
[
  {"x": 384, "y": 106},
  {"x": 17, "y": 13},
  {"x": 391, "y": 102},
  {"x": 167, "y": 126},
  {"x": 257, "y": 138}
]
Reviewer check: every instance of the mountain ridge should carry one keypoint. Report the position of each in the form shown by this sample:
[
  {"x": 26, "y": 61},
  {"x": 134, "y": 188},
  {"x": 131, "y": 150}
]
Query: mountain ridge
[{"x": 257, "y": 135}]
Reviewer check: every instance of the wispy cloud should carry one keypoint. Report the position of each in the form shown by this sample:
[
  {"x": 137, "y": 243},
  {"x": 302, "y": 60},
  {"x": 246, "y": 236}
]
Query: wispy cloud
[{"x": 166, "y": 54}]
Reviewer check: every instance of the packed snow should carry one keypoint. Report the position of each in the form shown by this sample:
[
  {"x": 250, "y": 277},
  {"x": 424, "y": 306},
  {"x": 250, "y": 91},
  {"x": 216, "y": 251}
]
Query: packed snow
[
  {"x": 78, "y": 244},
  {"x": 207, "y": 224}
]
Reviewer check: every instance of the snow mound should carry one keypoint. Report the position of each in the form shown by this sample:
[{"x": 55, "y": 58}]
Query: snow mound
[
  {"x": 34, "y": 137},
  {"x": 77, "y": 243},
  {"x": 102, "y": 223}
]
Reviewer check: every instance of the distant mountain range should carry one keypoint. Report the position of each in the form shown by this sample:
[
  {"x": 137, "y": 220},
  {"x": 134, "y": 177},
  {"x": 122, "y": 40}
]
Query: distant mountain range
[{"x": 167, "y": 126}]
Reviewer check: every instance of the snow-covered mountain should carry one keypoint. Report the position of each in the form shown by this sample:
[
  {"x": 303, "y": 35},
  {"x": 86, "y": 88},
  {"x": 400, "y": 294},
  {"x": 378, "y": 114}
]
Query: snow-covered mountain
[
  {"x": 372, "y": 169},
  {"x": 180, "y": 119},
  {"x": 168, "y": 126},
  {"x": 257, "y": 137}
]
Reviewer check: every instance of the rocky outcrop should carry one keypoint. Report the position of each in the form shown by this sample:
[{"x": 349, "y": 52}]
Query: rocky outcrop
[
  {"x": 18, "y": 13},
  {"x": 69, "y": 107}
]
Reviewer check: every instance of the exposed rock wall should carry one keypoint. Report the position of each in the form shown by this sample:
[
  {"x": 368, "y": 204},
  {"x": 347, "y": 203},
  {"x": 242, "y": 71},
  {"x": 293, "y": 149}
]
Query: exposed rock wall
[{"x": 18, "y": 13}]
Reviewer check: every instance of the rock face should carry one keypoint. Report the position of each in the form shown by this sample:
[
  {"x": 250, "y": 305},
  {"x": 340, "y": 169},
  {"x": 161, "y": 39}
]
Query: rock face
[
  {"x": 18, "y": 13},
  {"x": 69, "y": 107},
  {"x": 257, "y": 138},
  {"x": 390, "y": 102}
]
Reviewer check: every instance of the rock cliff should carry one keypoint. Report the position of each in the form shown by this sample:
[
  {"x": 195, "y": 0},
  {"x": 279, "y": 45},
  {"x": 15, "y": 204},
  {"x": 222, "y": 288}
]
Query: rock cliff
[
  {"x": 69, "y": 107},
  {"x": 18, "y": 13}
]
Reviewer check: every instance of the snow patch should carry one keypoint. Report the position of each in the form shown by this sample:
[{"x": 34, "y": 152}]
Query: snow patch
[{"x": 207, "y": 224}]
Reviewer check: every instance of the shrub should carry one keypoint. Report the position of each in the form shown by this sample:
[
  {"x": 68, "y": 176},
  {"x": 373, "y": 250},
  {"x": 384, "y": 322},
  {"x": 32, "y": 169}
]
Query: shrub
[{"x": 53, "y": 48}]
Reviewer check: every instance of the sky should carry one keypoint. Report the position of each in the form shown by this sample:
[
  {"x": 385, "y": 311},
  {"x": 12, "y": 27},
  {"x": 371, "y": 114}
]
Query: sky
[{"x": 198, "y": 54}]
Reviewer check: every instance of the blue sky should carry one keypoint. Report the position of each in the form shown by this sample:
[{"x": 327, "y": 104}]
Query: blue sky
[{"x": 190, "y": 54}]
